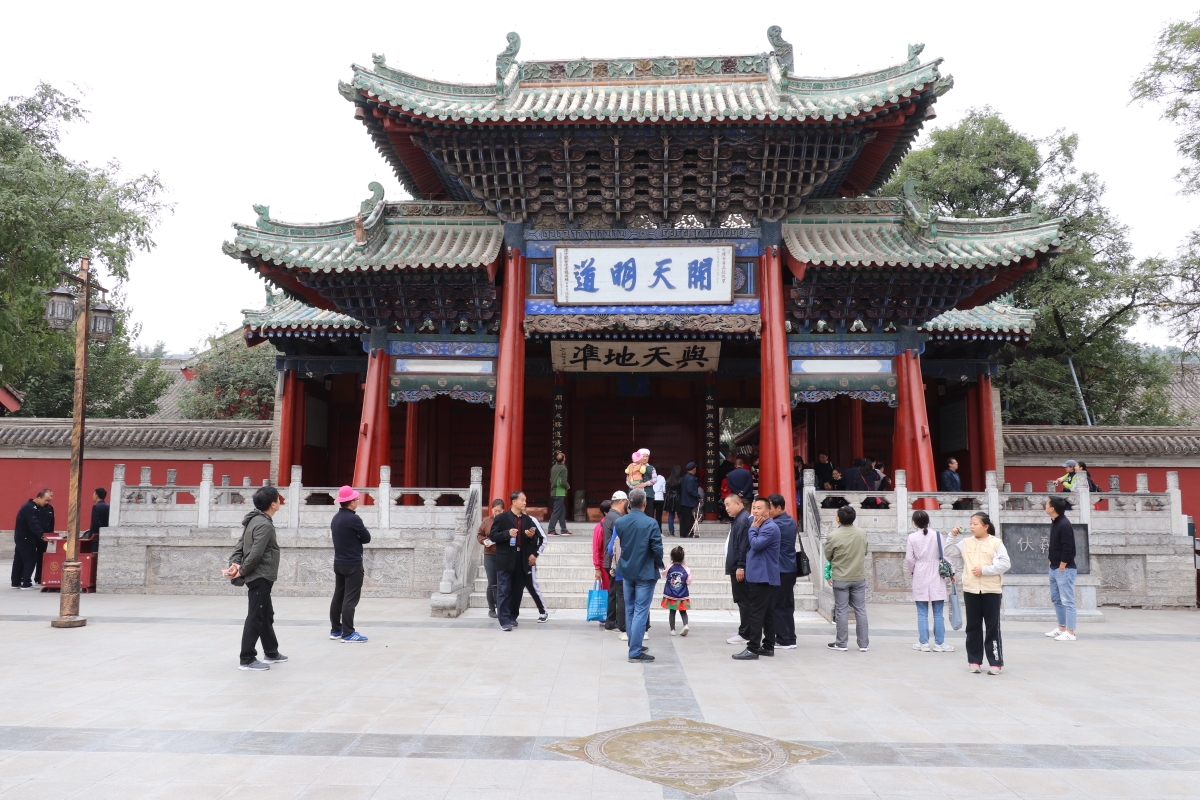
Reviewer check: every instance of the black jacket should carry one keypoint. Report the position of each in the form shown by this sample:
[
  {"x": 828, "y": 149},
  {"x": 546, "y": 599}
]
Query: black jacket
[
  {"x": 531, "y": 547},
  {"x": 950, "y": 482},
  {"x": 855, "y": 481},
  {"x": 690, "y": 493},
  {"x": 739, "y": 543},
  {"x": 99, "y": 517},
  {"x": 824, "y": 473},
  {"x": 28, "y": 527},
  {"x": 506, "y": 555},
  {"x": 349, "y": 536},
  {"x": 740, "y": 482},
  {"x": 1062, "y": 542}
]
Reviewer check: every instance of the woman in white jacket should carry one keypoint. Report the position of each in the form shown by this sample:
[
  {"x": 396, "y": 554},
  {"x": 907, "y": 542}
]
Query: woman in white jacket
[{"x": 984, "y": 562}]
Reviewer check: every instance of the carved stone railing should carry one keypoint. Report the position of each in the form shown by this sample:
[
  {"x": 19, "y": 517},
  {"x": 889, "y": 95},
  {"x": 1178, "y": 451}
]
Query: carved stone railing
[{"x": 462, "y": 554}]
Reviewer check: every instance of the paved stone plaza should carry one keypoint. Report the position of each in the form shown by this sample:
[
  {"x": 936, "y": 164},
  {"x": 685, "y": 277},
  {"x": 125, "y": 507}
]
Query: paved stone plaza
[{"x": 146, "y": 701}]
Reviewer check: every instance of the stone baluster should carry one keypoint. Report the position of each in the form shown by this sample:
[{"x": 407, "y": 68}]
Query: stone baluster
[
  {"x": 1178, "y": 518},
  {"x": 1050, "y": 486},
  {"x": 115, "y": 496},
  {"x": 224, "y": 480},
  {"x": 903, "y": 509},
  {"x": 993, "y": 495},
  {"x": 1083, "y": 489},
  {"x": 430, "y": 498},
  {"x": 246, "y": 480},
  {"x": 1028, "y": 487},
  {"x": 1007, "y": 487},
  {"x": 172, "y": 478},
  {"x": 204, "y": 497},
  {"x": 384, "y": 501},
  {"x": 1143, "y": 483},
  {"x": 1114, "y": 483},
  {"x": 145, "y": 476},
  {"x": 295, "y": 497}
]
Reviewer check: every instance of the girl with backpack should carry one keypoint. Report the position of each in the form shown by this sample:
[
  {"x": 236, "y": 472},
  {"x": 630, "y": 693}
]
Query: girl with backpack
[{"x": 675, "y": 590}]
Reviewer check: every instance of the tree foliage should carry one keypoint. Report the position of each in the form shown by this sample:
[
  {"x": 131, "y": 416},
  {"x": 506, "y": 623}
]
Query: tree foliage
[
  {"x": 54, "y": 211},
  {"x": 1172, "y": 79},
  {"x": 1086, "y": 298},
  {"x": 232, "y": 381}
]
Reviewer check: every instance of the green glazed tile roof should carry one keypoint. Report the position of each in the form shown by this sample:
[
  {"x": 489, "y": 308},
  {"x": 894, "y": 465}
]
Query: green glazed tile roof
[
  {"x": 996, "y": 317},
  {"x": 896, "y": 232},
  {"x": 382, "y": 236},
  {"x": 293, "y": 314},
  {"x": 706, "y": 88}
]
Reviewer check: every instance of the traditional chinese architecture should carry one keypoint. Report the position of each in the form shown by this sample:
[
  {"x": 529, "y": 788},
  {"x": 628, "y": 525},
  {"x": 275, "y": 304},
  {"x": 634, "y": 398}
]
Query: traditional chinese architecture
[{"x": 602, "y": 253}]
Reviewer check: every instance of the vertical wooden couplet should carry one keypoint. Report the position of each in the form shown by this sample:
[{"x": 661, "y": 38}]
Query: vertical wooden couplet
[
  {"x": 68, "y": 600},
  {"x": 374, "y": 429},
  {"x": 509, "y": 431},
  {"x": 711, "y": 445},
  {"x": 412, "y": 427},
  {"x": 775, "y": 426},
  {"x": 557, "y": 415}
]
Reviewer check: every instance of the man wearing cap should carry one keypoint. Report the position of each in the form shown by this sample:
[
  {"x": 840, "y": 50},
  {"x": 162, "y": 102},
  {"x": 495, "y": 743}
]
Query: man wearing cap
[
  {"x": 1068, "y": 480},
  {"x": 690, "y": 496},
  {"x": 349, "y": 536},
  {"x": 615, "y": 620}
]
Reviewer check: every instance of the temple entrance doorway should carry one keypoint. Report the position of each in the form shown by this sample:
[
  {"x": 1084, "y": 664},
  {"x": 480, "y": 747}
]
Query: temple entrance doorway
[{"x": 844, "y": 428}]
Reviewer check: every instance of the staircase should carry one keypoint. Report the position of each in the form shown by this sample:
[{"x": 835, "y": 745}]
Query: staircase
[{"x": 566, "y": 574}]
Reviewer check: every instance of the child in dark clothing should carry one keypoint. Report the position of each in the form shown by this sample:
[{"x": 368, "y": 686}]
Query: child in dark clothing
[{"x": 675, "y": 590}]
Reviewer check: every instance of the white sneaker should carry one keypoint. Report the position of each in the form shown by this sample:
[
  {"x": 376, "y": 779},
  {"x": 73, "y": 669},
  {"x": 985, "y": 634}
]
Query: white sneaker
[
  {"x": 673, "y": 632},
  {"x": 942, "y": 648},
  {"x": 973, "y": 668},
  {"x": 684, "y": 631},
  {"x": 924, "y": 648},
  {"x": 735, "y": 639},
  {"x": 624, "y": 637},
  {"x": 994, "y": 670},
  {"x": 1054, "y": 633},
  {"x": 1066, "y": 636},
  {"x": 645, "y": 636}
]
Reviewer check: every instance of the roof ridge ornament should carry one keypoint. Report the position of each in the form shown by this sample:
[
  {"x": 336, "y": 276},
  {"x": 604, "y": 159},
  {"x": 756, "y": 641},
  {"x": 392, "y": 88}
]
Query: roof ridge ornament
[
  {"x": 264, "y": 218},
  {"x": 783, "y": 50},
  {"x": 368, "y": 205},
  {"x": 920, "y": 221},
  {"x": 914, "y": 52},
  {"x": 505, "y": 60}
]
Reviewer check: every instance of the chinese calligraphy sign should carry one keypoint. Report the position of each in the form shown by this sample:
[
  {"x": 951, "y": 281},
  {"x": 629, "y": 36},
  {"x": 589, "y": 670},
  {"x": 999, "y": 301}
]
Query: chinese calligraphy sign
[
  {"x": 589, "y": 356},
  {"x": 1028, "y": 546},
  {"x": 648, "y": 276}
]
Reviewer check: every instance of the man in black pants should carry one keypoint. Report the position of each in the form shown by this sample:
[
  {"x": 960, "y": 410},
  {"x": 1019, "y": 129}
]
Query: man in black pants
[
  {"x": 784, "y": 604},
  {"x": 349, "y": 536},
  {"x": 735, "y": 563},
  {"x": 507, "y": 530},
  {"x": 255, "y": 564},
  {"x": 615, "y": 620},
  {"x": 45, "y": 513},
  {"x": 532, "y": 543},
  {"x": 761, "y": 579},
  {"x": 27, "y": 532}
]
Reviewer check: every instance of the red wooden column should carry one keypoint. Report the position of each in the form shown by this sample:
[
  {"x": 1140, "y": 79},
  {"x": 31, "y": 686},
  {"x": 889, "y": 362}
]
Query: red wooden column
[
  {"x": 775, "y": 428},
  {"x": 412, "y": 422},
  {"x": 975, "y": 462},
  {"x": 287, "y": 428},
  {"x": 510, "y": 379},
  {"x": 987, "y": 427},
  {"x": 923, "y": 475},
  {"x": 374, "y": 430}
]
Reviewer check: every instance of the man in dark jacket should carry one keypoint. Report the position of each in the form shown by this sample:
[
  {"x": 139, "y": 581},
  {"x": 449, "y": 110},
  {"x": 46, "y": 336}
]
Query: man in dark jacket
[
  {"x": 27, "y": 532},
  {"x": 255, "y": 564},
  {"x": 1061, "y": 554},
  {"x": 741, "y": 482},
  {"x": 641, "y": 561},
  {"x": 690, "y": 497},
  {"x": 531, "y": 545},
  {"x": 100, "y": 510},
  {"x": 762, "y": 579},
  {"x": 46, "y": 515},
  {"x": 824, "y": 470},
  {"x": 950, "y": 480},
  {"x": 784, "y": 602},
  {"x": 349, "y": 536},
  {"x": 855, "y": 477},
  {"x": 615, "y": 619},
  {"x": 507, "y": 530},
  {"x": 736, "y": 545}
]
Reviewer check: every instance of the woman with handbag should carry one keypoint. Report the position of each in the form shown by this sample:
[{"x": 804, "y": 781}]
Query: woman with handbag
[{"x": 924, "y": 558}]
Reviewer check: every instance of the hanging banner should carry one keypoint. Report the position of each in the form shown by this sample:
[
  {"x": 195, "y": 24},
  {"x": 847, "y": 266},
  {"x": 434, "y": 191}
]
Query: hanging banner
[
  {"x": 626, "y": 275},
  {"x": 588, "y": 356}
]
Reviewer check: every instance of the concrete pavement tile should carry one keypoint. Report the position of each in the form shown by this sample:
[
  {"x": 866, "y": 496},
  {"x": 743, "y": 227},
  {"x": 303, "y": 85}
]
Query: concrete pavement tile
[
  {"x": 355, "y": 771},
  {"x": 196, "y": 791},
  {"x": 120, "y": 790},
  {"x": 38, "y": 788},
  {"x": 265, "y": 791},
  {"x": 330, "y": 792},
  {"x": 424, "y": 773},
  {"x": 400, "y": 723},
  {"x": 490, "y": 774},
  {"x": 1035, "y": 782},
  {"x": 31, "y": 764},
  {"x": 817, "y": 780},
  {"x": 300, "y": 770}
]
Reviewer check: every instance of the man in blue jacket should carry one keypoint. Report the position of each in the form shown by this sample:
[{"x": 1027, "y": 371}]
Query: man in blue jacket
[
  {"x": 762, "y": 576},
  {"x": 690, "y": 497},
  {"x": 641, "y": 561},
  {"x": 784, "y": 602}
]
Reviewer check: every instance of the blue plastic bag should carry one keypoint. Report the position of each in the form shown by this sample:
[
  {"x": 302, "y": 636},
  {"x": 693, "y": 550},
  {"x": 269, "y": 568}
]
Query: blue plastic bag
[{"x": 597, "y": 604}]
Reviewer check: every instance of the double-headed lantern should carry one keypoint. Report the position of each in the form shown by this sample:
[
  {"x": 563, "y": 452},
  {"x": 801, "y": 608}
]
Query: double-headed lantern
[{"x": 61, "y": 308}]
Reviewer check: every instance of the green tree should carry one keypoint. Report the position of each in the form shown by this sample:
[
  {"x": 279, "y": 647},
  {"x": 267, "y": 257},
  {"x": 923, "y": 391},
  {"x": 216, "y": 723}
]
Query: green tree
[
  {"x": 232, "y": 381},
  {"x": 1086, "y": 298},
  {"x": 1172, "y": 79},
  {"x": 54, "y": 211}
]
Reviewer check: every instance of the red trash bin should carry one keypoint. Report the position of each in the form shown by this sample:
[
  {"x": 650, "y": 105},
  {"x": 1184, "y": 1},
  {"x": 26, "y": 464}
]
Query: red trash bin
[{"x": 52, "y": 561}]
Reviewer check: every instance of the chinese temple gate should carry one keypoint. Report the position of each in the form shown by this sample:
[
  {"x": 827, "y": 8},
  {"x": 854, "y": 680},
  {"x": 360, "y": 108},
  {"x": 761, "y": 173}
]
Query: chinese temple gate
[{"x": 603, "y": 253}]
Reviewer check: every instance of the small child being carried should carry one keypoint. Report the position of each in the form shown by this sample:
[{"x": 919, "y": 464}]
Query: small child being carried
[{"x": 675, "y": 590}]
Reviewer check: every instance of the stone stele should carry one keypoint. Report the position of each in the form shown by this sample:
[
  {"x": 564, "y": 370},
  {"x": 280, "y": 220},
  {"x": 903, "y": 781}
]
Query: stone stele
[{"x": 690, "y": 756}]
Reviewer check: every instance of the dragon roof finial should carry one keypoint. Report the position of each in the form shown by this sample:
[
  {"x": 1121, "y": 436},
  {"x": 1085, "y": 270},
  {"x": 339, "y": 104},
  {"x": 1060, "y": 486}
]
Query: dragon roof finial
[
  {"x": 914, "y": 51},
  {"x": 783, "y": 50},
  {"x": 506, "y": 58}
]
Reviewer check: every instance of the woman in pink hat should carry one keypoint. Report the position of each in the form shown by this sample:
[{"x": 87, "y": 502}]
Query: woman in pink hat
[{"x": 349, "y": 536}]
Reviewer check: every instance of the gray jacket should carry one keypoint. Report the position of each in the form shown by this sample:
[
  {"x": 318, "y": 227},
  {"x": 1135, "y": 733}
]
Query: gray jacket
[
  {"x": 606, "y": 526},
  {"x": 258, "y": 551}
]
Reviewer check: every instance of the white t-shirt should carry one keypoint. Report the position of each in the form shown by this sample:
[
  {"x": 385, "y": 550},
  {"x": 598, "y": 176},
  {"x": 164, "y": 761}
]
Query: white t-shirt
[{"x": 660, "y": 487}]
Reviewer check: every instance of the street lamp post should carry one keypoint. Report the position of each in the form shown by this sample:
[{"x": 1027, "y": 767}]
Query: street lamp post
[{"x": 60, "y": 308}]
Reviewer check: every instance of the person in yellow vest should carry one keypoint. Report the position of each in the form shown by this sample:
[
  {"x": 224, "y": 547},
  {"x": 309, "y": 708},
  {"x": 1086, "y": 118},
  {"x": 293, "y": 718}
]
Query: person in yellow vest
[
  {"x": 984, "y": 562},
  {"x": 1068, "y": 481}
]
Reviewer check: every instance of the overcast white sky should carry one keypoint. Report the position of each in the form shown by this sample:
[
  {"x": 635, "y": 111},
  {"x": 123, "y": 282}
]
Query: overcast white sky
[{"x": 237, "y": 103}]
